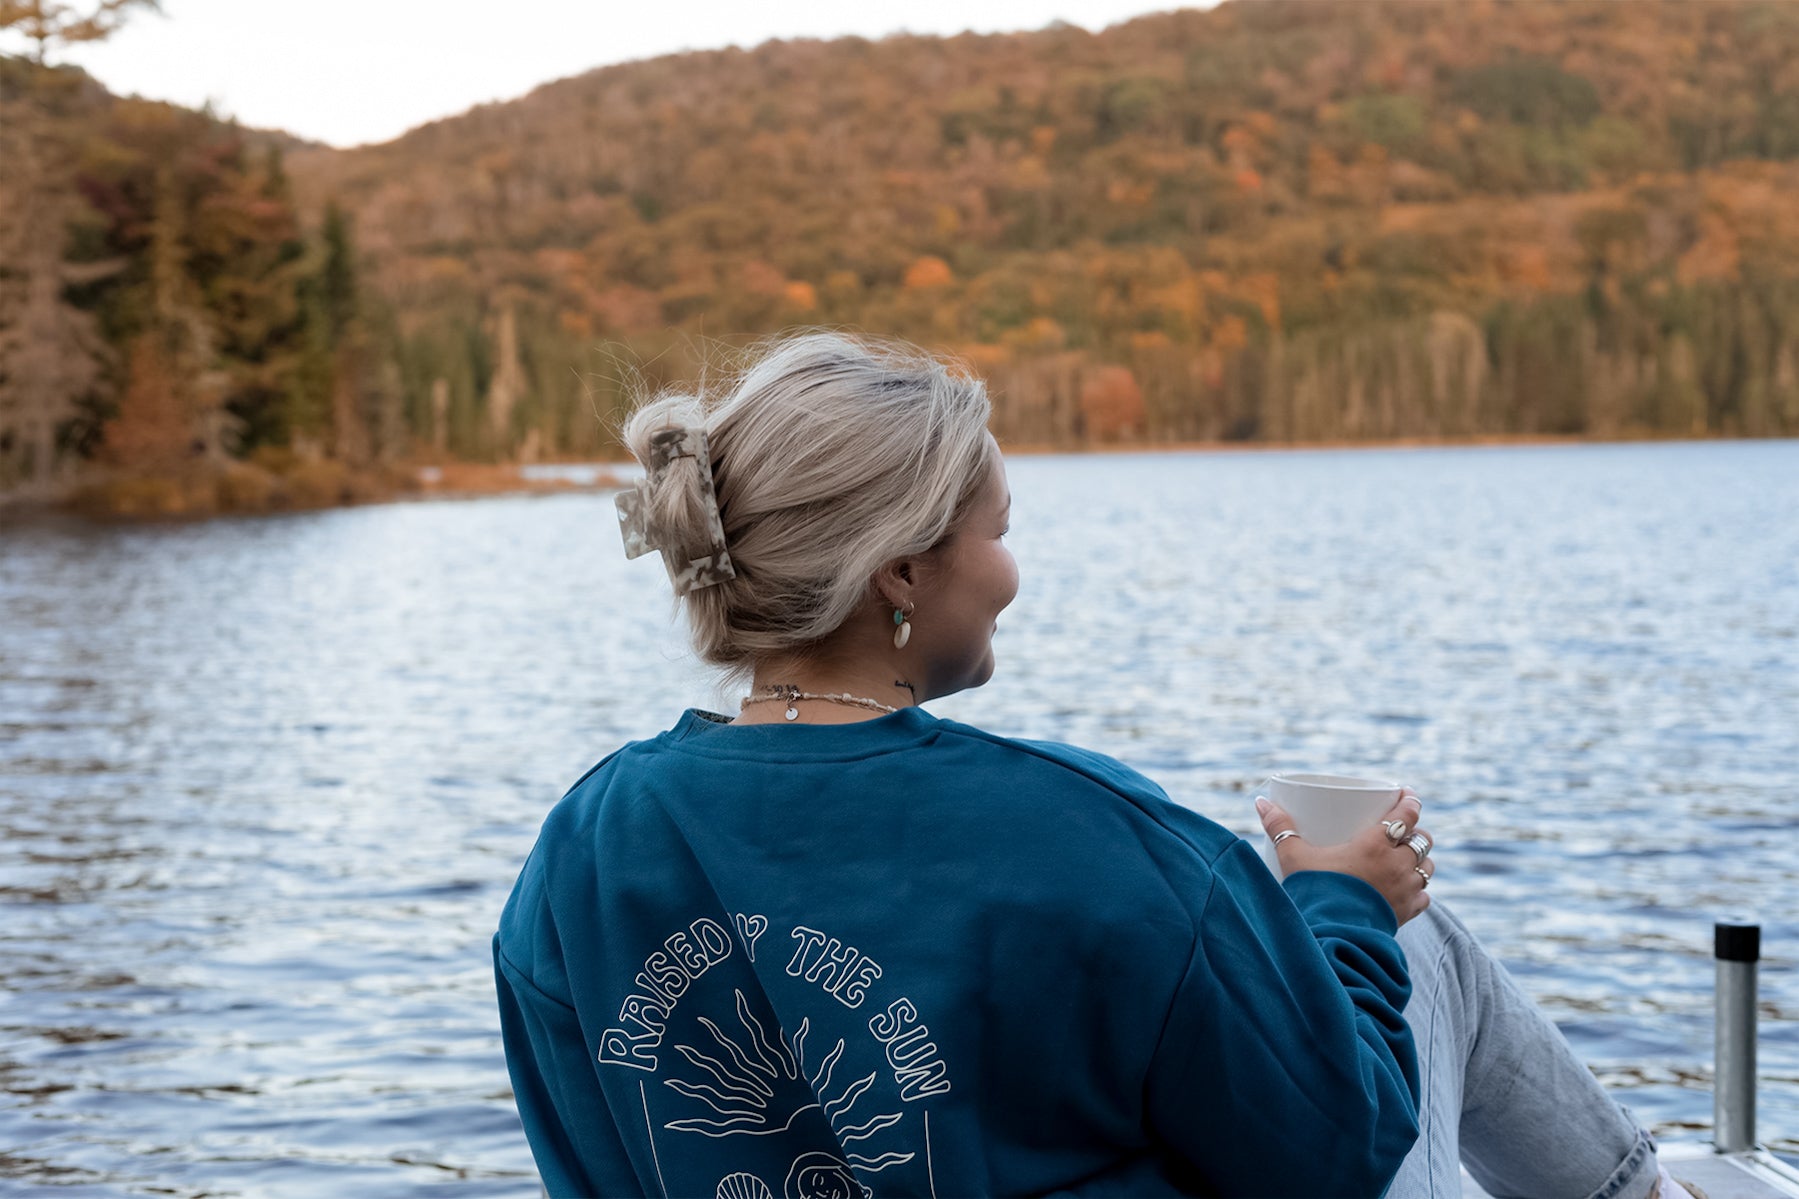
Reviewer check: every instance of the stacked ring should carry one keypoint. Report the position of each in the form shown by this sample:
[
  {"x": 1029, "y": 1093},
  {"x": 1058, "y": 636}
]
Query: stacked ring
[
  {"x": 1419, "y": 844},
  {"x": 1283, "y": 835}
]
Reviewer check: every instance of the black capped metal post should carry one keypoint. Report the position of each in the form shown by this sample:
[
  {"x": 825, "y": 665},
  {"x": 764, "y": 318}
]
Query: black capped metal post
[{"x": 1737, "y": 947}]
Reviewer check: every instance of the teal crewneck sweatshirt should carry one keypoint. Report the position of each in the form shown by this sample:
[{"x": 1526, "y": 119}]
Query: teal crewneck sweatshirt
[{"x": 905, "y": 956}]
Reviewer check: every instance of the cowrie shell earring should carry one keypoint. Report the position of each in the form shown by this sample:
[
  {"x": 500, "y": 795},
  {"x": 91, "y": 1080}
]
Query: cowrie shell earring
[{"x": 903, "y": 633}]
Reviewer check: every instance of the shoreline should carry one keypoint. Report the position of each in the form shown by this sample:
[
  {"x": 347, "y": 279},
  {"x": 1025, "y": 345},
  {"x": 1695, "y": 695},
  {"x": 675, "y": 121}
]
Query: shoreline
[
  {"x": 237, "y": 489},
  {"x": 1476, "y": 441},
  {"x": 111, "y": 499}
]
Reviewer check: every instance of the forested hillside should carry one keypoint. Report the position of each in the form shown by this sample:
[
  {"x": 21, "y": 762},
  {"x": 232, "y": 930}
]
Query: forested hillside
[
  {"x": 1265, "y": 221},
  {"x": 165, "y": 314}
]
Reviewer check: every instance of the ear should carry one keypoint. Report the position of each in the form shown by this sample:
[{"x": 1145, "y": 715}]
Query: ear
[{"x": 897, "y": 583}]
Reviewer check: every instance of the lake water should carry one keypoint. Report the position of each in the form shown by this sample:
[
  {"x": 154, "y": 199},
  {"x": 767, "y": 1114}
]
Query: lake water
[{"x": 265, "y": 783}]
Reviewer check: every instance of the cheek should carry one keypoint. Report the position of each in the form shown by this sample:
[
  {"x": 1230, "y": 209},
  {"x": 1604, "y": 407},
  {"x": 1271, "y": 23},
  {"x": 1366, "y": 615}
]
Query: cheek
[{"x": 1008, "y": 578}]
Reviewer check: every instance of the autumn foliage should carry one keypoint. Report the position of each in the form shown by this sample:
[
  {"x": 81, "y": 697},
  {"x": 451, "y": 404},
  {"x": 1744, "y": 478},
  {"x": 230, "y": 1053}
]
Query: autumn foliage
[
  {"x": 1112, "y": 404},
  {"x": 48, "y": 23},
  {"x": 1272, "y": 221},
  {"x": 1285, "y": 221},
  {"x": 154, "y": 425}
]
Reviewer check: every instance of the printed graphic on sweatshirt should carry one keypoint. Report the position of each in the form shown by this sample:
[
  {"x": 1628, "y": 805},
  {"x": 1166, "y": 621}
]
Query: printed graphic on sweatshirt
[{"x": 731, "y": 1072}]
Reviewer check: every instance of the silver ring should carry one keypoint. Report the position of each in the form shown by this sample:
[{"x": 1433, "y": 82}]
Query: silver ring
[
  {"x": 1419, "y": 844},
  {"x": 1283, "y": 835},
  {"x": 1396, "y": 831},
  {"x": 1423, "y": 874}
]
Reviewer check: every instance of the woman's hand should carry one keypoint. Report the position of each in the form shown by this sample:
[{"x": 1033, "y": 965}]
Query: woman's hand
[{"x": 1392, "y": 868}]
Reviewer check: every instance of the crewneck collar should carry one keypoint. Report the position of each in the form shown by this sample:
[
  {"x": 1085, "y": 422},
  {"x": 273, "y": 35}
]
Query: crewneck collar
[{"x": 713, "y": 735}]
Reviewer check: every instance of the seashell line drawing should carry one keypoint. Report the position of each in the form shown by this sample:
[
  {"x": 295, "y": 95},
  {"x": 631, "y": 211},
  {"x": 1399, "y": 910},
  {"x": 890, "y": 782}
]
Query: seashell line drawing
[{"x": 743, "y": 1186}]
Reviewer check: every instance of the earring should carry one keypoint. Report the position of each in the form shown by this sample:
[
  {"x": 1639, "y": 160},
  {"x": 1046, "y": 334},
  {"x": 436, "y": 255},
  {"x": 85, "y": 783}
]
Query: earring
[{"x": 903, "y": 633}]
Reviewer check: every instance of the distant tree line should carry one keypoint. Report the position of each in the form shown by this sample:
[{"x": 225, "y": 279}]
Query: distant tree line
[{"x": 1273, "y": 221}]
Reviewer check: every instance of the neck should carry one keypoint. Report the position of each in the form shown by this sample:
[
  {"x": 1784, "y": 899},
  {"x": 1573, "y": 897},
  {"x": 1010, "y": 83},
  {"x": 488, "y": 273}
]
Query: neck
[{"x": 877, "y": 681}]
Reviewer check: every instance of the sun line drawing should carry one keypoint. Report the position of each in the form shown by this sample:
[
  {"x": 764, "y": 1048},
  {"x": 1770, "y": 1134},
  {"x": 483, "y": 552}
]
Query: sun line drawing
[{"x": 749, "y": 1073}]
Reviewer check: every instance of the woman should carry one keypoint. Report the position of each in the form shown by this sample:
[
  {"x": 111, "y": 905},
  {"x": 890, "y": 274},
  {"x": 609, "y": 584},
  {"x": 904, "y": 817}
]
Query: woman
[{"x": 836, "y": 946}]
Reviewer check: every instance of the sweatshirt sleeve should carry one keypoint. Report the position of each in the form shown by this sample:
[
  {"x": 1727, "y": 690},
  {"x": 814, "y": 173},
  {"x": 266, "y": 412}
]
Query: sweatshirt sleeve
[
  {"x": 1285, "y": 1041},
  {"x": 572, "y": 1135}
]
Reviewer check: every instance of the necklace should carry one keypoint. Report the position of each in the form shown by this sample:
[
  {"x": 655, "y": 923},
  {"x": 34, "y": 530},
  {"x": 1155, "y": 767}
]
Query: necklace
[{"x": 792, "y": 695}]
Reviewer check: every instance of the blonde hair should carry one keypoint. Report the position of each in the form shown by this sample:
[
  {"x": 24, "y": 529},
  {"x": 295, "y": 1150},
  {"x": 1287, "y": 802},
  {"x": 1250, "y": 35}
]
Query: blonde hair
[{"x": 832, "y": 455}]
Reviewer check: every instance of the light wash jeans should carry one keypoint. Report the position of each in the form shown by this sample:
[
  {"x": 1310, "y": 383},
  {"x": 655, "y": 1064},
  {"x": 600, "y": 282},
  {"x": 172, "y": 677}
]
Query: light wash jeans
[{"x": 1503, "y": 1092}]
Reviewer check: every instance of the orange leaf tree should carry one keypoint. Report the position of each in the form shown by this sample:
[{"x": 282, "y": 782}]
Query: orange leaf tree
[
  {"x": 64, "y": 23},
  {"x": 1112, "y": 403}
]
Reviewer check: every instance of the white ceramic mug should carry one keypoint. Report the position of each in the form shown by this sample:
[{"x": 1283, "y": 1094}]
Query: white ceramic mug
[{"x": 1327, "y": 809}]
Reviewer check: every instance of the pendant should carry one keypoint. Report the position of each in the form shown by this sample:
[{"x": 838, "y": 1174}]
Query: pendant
[{"x": 793, "y": 713}]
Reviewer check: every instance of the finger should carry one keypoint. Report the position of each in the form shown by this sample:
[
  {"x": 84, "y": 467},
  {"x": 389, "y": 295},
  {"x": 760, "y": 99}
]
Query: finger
[
  {"x": 1281, "y": 833},
  {"x": 1408, "y": 809},
  {"x": 1274, "y": 817},
  {"x": 1430, "y": 841}
]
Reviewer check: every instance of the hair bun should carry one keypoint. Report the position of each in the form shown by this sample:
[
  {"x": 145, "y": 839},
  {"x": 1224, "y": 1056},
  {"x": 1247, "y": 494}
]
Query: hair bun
[
  {"x": 675, "y": 508},
  {"x": 663, "y": 412}
]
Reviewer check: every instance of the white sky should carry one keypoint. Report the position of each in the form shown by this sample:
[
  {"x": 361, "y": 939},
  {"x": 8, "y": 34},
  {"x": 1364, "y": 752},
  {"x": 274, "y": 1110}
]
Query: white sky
[{"x": 353, "y": 71}]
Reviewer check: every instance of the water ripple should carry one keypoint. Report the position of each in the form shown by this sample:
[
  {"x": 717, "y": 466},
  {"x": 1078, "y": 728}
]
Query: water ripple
[{"x": 264, "y": 784}]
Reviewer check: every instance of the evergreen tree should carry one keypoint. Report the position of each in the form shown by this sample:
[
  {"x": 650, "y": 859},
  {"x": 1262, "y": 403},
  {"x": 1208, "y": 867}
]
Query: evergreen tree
[
  {"x": 337, "y": 276},
  {"x": 250, "y": 232},
  {"x": 307, "y": 385}
]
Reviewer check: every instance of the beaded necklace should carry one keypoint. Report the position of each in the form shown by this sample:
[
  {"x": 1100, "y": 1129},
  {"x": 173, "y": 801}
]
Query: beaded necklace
[{"x": 793, "y": 694}]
